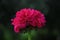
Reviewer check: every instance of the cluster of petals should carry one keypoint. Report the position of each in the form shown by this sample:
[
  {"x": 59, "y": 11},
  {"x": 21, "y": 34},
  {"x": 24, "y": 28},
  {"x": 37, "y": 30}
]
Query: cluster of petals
[{"x": 26, "y": 17}]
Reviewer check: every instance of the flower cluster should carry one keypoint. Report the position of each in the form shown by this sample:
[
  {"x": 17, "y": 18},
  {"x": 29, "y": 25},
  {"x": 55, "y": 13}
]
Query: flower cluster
[{"x": 28, "y": 17}]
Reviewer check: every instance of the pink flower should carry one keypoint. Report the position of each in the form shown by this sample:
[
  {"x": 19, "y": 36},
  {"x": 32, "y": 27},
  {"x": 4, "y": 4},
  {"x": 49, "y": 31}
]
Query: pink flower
[{"x": 26, "y": 17}]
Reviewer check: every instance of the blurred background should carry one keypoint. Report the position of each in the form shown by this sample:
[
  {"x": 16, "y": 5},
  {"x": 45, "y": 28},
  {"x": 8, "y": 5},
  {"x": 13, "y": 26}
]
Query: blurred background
[{"x": 50, "y": 8}]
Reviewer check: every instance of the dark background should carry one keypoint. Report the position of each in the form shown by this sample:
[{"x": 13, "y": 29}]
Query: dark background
[{"x": 50, "y": 8}]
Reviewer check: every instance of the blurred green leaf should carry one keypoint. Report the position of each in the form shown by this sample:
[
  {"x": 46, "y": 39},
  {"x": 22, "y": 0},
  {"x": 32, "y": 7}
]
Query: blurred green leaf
[
  {"x": 23, "y": 36},
  {"x": 33, "y": 33},
  {"x": 8, "y": 35},
  {"x": 43, "y": 31}
]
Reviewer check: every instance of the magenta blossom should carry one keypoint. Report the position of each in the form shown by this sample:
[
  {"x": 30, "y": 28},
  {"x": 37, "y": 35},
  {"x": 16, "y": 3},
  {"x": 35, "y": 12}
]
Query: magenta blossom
[{"x": 26, "y": 17}]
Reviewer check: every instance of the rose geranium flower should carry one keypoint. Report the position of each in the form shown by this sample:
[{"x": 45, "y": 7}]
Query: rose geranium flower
[{"x": 26, "y": 17}]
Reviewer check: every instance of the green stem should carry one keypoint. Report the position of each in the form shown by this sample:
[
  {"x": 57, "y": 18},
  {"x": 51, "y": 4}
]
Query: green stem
[{"x": 29, "y": 36}]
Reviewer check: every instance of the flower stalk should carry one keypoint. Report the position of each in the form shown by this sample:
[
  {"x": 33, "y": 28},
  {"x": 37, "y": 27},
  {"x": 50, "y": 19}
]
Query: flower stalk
[{"x": 29, "y": 36}]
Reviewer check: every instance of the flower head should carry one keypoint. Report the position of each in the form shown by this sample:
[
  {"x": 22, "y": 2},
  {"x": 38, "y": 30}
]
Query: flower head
[{"x": 26, "y": 17}]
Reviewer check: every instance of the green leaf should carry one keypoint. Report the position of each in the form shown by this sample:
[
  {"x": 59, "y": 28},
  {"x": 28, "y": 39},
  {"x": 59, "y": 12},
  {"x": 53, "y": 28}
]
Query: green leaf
[{"x": 23, "y": 36}]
